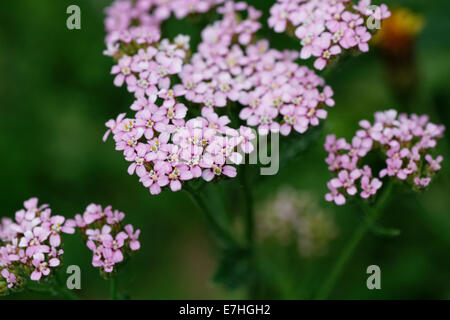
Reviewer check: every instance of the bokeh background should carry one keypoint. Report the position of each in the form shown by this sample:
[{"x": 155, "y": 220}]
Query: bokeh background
[{"x": 56, "y": 93}]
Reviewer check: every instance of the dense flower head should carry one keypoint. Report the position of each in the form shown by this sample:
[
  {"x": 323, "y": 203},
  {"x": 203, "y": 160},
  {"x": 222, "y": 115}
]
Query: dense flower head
[
  {"x": 166, "y": 142},
  {"x": 109, "y": 240},
  {"x": 294, "y": 216},
  {"x": 327, "y": 28},
  {"x": 276, "y": 93},
  {"x": 405, "y": 143},
  {"x": 138, "y": 22},
  {"x": 230, "y": 68},
  {"x": 31, "y": 243},
  {"x": 147, "y": 72},
  {"x": 164, "y": 150}
]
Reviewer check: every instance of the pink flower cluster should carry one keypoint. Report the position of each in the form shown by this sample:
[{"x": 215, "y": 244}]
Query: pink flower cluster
[
  {"x": 327, "y": 27},
  {"x": 163, "y": 142},
  {"x": 405, "y": 142},
  {"x": 147, "y": 72},
  {"x": 165, "y": 150},
  {"x": 106, "y": 237},
  {"x": 277, "y": 93},
  {"x": 31, "y": 242},
  {"x": 139, "y": 21},
  {"x": 164, "y": 146}
]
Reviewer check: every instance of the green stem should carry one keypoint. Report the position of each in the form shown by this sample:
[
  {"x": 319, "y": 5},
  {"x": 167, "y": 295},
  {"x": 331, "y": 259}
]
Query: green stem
[
  {"x": 113, "y": 288},
  {"x": 249, "y": 213},
  {"x": 373, "y": 215},
  {"x": 225, "y": 239},
  {"x": 255, "y": 285}
]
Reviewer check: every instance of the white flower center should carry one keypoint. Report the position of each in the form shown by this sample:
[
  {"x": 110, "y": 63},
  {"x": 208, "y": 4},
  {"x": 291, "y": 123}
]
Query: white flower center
[
  {"x": 225, "y": 87},
  {"x": 290, "y": 120},
  {"x": 171, "y": 113},
  {"x": 132, "y": 142},
  {"x": 139, "y": 161},
  {"x": 129, "y": 125},
  {"x": 174, "y": 174},
  {"x": 297, "y": 101},
  {"x": 125, "y": 71},
  {"x": 217, "y": 170},
  {"x": 56, "y": 227},
  {"x": 264, "y": 119},
  {"x": 254, "y": 103},
  {"x": 152, "y": 174},
  {"x": 277, "y": 102},
  {"x": 189, "y": 85},
  {"x": 306, "y": 41},
  {"x": 143, "y": 83}
]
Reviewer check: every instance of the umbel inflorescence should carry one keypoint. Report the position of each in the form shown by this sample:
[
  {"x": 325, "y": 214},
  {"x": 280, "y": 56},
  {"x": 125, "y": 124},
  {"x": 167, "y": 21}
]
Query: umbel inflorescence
[
  {"x": 31, "y": 244},
  {"x": 295, "y": 217},
  {"x": 328, "y": 28},
  {"x": 110, "y": 242},
  {"x": 404, "y": 143},
  {"x": 181, "y": 128}
]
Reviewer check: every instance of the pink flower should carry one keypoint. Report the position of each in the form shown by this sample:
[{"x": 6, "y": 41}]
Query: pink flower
[
  {"x": 155, "y": 180},
  {"x": 178, "y": 174},
  {"x": 123, "y": 71},
  {"x": 115, "y": 244},
  {"x": 324, "y": 51},
  {"x": 360, "y": 38},
  {"x": 33, "y": 241},
  {"x": 346, "y": 180},
  {"x": 370, "y": 187},
  {"x": 56, "y": 227},
  {"x": 341, "y": 33},
  {"x": 422, "y": 182},
  {"x": 9, "y": 277},
  {"x": 434, "y": 164},
  {"x": 112, "y": 124},
  {"x": 42, "y": 267},
  {"x": 335, "y": 196},
  {"x": 99, "y": 235},
  {"x": 133, "y": 237},
  {"x": 143, "y": 61},
  {"x": 248, "y": 136},
  {"x": 144, "y": 85},
  {"x": 108, "y": 262},
  {"x": 278, "y": 17},
  {"x": 113, "y": 217},
  {"x": 93, "y": 213},
  {"x": 311, "y": 116},
  {"x": 209, "y": 174},
  {"x": 98, "y": 253},
  {"x": 137, "y": 157}
]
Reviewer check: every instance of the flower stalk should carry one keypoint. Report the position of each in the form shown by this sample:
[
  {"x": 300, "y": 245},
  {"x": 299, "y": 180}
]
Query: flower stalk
[
  {"x": 249, "y": 208},
  {"x": 373, "y": 215},
  {"x": 113, "y": 288},
  {"x": 224, "y": 237}
]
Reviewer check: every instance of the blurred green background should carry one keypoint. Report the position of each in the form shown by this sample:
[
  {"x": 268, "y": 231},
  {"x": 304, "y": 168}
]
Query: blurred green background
[{"x": 56, "y": 94}]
